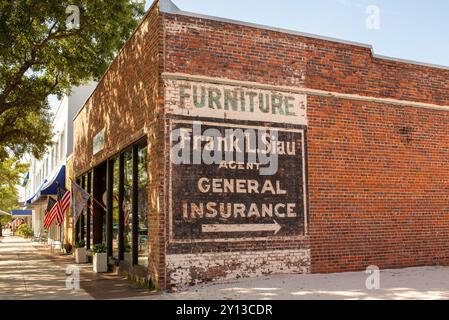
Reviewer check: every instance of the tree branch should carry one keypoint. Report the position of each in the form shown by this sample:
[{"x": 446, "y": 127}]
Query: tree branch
[{"x": 17, "y": 78}]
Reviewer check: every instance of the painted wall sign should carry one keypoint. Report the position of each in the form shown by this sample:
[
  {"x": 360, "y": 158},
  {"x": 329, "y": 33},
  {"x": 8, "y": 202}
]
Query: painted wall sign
[
  {"x": 98, "y": 142},
  {"x": 232, "y": 201},
  {"x": 203, "y": 99}
]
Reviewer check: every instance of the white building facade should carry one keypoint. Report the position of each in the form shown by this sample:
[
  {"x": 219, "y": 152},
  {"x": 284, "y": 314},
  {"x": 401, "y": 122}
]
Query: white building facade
[{"x": 45, "y": 174}]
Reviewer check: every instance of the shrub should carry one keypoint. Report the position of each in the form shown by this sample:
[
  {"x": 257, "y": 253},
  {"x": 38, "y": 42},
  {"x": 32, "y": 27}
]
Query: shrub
[
  {"x": 24, "y": 231},
  {"x": 80, "y": 244},
  {"x": 99, "y": 248}
]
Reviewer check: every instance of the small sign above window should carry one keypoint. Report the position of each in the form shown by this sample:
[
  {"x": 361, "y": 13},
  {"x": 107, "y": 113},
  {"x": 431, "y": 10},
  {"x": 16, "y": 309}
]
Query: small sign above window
[{"x": 98, "y": 142}]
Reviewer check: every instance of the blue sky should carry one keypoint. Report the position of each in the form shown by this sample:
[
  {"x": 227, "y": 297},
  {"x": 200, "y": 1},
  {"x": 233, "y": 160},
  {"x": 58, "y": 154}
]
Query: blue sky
[{"x": 415, "y": 30}]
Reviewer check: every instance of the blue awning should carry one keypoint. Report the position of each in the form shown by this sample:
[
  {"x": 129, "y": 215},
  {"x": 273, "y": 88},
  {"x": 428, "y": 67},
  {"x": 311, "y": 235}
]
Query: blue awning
[
  {"x": 56, "y": 179},
  {"x": 50, "y": 185},
  {"x": 21, "y": 213},
  {"x": 36, "y": 195}
]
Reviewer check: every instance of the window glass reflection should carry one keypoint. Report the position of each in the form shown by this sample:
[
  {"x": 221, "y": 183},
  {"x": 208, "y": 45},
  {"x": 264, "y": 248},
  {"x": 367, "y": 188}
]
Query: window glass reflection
[
  {"x": 142, "y": 210},
  {"x": 127, "y": 206},
  {"x": 115, "y": 210}
]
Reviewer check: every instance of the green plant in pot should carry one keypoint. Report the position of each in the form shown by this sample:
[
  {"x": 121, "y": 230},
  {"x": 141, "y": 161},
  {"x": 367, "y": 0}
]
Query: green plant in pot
[
  {"x": 100, "y": 258},
  {"x": 80, "y": 244},
  {"x": 99, "y": 248}
]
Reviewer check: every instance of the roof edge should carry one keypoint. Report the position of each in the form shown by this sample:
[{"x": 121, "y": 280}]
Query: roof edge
[{"x": 167, "y": 6}]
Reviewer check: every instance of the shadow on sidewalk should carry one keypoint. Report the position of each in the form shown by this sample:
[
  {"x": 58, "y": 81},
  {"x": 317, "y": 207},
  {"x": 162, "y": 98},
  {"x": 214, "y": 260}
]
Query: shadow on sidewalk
[{"x": 99, "y": 286}]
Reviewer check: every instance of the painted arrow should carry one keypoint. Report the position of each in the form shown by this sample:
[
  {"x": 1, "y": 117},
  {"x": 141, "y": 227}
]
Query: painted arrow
[{"x": 220, "y": 228}]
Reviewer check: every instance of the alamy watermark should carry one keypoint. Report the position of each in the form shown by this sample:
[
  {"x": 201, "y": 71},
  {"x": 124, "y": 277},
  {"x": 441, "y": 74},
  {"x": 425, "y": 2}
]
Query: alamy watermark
[
  {"x": 261, "y": 147},
  {"x": 72, "y": 282},
  {"x": 373, "y": 20},
  {"x": 73, "y": 19},
  {"x": 373, "y": 280}
]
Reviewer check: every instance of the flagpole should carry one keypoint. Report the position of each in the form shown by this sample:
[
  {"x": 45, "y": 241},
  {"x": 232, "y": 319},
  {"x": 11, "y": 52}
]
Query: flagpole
[
  {"x": 92, "y": 198},
  {"x": 104, "y": 208},
  {"x": 60, "y": 237}
]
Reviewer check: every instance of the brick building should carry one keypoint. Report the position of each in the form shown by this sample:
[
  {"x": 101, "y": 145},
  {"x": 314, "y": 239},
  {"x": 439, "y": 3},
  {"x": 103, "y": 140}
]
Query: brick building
[{"x": 363, "y": 149}]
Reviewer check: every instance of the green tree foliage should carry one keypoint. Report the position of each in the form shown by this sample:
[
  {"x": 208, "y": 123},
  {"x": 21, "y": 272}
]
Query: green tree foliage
[
  {"x": 41, "y": 56},
  {"x": 11, "y": 172},
  {"x": 24, "y": 231}
]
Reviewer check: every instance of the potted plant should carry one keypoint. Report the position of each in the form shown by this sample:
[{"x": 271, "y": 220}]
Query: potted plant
[
  {"x": 100, "y": 258},
  {"x": 80, "y": 252},
  {"x": 68, "y": 248}
]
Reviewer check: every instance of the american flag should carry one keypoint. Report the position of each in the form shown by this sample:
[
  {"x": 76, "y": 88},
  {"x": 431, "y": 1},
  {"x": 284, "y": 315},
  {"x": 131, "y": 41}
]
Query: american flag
[
  {"x": 126, "y": 209},
  {"x": 63, "y": 203},
  {"x": 58, "y": 209},
  {"x": 48, "y": 215}
]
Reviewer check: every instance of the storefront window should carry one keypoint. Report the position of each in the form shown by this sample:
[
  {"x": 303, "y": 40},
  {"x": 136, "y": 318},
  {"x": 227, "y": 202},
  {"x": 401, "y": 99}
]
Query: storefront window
[
  {"x": 84, "y": 214},
  {"x": 115, "y": 210},
  {"x": 134, "y": 237},
  {"x": 83, "y": 220},
  {"x": 78, "y": 222},
  {"x": 127, "y": 207},
  {"x": 90, "y": 220},
  {"x": 105, "y": 226},
  {"x": 142, "y": 210}
]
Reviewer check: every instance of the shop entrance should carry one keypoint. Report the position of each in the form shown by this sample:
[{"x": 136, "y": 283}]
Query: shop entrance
[
  {"x": 116, "y": 214},
  {"x": 91, "y": 226},
  {"x": 98, "y": 205}
]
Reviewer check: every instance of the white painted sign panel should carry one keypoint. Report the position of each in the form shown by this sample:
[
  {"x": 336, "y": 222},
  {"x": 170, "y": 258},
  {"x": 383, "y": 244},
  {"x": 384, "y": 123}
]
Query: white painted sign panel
[{"x": 206, "y": 99}]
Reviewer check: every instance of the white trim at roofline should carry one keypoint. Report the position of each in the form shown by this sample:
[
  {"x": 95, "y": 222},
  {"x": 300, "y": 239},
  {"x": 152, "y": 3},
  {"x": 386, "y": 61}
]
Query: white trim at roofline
[{"x": 167, "y": 6}]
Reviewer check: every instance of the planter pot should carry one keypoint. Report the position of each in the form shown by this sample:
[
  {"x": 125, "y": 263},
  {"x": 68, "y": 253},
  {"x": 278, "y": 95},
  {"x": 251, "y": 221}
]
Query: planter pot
[
  {"x": 80, "y": 255},
  {"x": 100, "y": 262}
]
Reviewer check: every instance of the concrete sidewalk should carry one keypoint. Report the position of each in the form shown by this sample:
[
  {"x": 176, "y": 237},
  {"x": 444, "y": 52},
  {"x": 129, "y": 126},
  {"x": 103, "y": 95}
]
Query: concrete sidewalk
[
  {"x": 428, "y": 283},
  {"x": 28, "y": 270},
  {"x": 25, "y": 274}
]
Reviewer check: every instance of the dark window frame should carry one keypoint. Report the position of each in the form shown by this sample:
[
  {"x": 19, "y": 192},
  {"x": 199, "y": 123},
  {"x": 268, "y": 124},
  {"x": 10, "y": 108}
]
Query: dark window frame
[{"x": 86, "y": 181}]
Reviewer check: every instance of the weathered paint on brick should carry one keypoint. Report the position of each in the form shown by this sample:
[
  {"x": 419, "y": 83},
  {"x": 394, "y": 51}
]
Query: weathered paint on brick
[
  {"x": 253, "y": 207},
  {"x": 206, "y": 99},
  {"x": 377, "y": 145},
  {"x": 193, "y": 269}
]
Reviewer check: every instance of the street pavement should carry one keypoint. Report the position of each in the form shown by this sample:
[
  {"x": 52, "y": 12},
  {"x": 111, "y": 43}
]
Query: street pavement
[
  {"x": 31, "y": 271},
  {"x": 428, "y": 283}
]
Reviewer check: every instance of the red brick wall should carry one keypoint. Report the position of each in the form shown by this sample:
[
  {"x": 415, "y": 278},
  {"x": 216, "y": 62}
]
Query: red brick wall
[
  {"x": 126, "y": 105},
  {"x": 378, "y": 185},
  {"x": 217, "y": 49},
  {"x": 378, "y": 174},
  {"x": 377, "y": 177}
]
